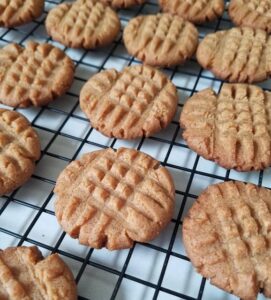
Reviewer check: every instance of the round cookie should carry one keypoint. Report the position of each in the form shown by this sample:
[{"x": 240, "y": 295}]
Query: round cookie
[
  {"x": 251, "y": 13},
  {"x": 245, "y": 58},
  {"x": 83, "y": 24},
  {"x": 122, "y": 3},
  {"x": 18, "y": 12},
  {"x": 226, "y": 235},
  {"x": 112, "y": 198},
  {"x": 160, "y": 40},
  {"x": 196, "y": 11},
  {"x": 33, "y": 75},
  {"x": 19, "y": 149},
  {"x": 25, "y": 274},
  {"x": 136, "y": 102},
  {"x": 232, "y": 128}
]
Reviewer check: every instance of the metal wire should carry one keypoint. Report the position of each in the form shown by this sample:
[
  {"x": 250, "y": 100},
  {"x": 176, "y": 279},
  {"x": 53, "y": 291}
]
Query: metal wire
[{"x": 23, "y": 34}]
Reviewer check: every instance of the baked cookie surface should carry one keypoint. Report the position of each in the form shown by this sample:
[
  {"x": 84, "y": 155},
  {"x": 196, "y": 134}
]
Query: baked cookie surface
[
  {"x": 135, "y": 102},
  {"x": 83, "y": 24},
  {"x": 20, "y": 148},
  {"x": 123, "y": 3},
  {"x": 195, "y": 11},
  {"x": 33, "y": 75},
  {"x": 112, "y": 198},
  {"x": 232, "y": 128},
  {"x": 25, "y": 274},
  {"x": 237, "y": 54},
  {"x": 160, "y": 40},
  {"x": 251, "y": 13},
  {"x": 19, "y": 12},
  {"x": 227, "y": 238}
]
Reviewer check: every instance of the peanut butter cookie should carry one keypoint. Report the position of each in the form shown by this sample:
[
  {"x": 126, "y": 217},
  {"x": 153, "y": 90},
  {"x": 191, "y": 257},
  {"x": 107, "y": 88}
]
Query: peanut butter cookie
[
  {"x": 18, "y": 12},
  {"x": 25, "y": 274},
  {"x": 161, "y": 40},
  {"x": 251, "y": 13},
  {"x": 233, "y": 128},
  {"x": 136, "y": 102},
  {"x": 33, "y": 75},
  {"x": 195, "y": 11},
  {"x": 237, "y": 54},
  {"x": 112, "y": 198},
  {"x": 83, "y": 24},
  {"x": 227, "y": 237},
  {"x": 19, "y": 149},
  {"x": 122, "y": 3}
]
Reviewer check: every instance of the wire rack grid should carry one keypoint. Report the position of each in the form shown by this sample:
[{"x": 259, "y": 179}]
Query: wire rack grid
[{"x": 156, "y": 270}]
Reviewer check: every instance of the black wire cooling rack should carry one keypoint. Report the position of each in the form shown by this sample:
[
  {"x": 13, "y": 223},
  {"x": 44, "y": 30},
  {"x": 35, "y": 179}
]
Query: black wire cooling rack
[{"x": 159, "y": 269}]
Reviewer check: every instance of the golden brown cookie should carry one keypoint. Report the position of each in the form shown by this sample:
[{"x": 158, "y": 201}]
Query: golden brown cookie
[
  {"x": 19, "y": 149},
  {"x": 227, "y": 237},
  {"x": 112, "y": 198},
  {"x": 19, "y": 12},
  {"x": 233, "y": 128},
  {"x": 83, "y": 24},
  {"x": 26, "y": 275},
  {"x": 33, "y": 75},
  {"x": 251, "y": 13},
  {"x": 237, "y": 54},
  {"x": 122, "y": 3},
  {"x": 136, "y": 102},
  {"x": 196, "y": 11},
  {"x": 161, "y": 40}
]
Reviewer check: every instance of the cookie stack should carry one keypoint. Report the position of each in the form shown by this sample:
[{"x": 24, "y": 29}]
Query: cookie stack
[{"x": 114, "y": 198}]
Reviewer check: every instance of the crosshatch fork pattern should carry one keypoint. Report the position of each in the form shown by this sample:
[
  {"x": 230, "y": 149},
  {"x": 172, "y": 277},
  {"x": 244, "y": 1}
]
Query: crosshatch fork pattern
[
  {"x": 83, "y": 32},
  {"x": 234, "y": 126},
  {"x": 122, "y": 207},
  {"x": 109, "y": 101},
  {"x": 192, "y": 174},
  {"x": 40, "y": 70},
  {"x": 160, "y": 39},
  {"x": 232, "y": 222}
]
